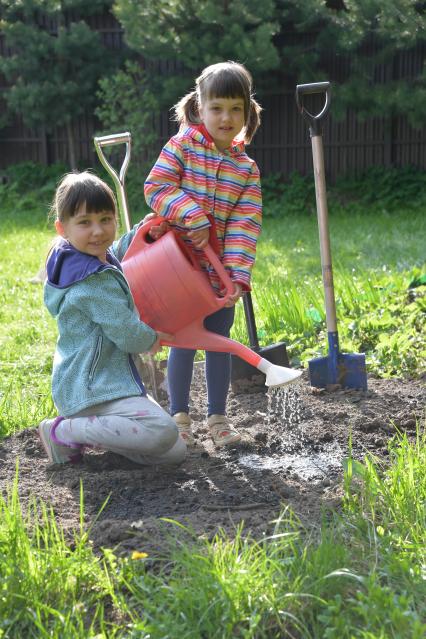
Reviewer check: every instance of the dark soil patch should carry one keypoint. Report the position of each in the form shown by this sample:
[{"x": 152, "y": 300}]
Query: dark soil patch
[{"x": 279, "y": 462}]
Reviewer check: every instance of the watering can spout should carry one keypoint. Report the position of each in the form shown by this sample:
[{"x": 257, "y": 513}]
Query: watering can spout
[
  {"x": 277, "y": 375},
  {"x": 195, "y": 335}
]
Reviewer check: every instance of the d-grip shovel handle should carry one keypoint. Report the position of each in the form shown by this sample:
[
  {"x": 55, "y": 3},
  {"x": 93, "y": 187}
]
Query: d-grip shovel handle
[
  {"x": 139, "y": 242},
  {"x": 321, "y": 193},
  {"x": 110, "y": 140},
  {"x": 314, "y": 121}
]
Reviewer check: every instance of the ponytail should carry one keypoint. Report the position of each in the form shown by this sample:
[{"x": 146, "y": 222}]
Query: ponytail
[
  {"x": 186, "y": 110},
  {"x": 253, "y": 120}
]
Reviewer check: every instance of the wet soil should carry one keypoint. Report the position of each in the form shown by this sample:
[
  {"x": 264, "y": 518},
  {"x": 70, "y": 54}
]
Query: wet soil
[{"x": 292, "y": 453}]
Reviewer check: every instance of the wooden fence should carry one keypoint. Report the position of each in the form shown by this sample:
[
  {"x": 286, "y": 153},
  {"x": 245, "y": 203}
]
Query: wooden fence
[{"x": 282, "y": 144}]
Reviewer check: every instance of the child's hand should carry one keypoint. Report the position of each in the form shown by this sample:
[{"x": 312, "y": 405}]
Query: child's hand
[
  {"x": 155, "y": 232},
  {"x": 233, "y": 299},
  {"x": 200, "y": 238},
  {"x": 161, "y": 337}
]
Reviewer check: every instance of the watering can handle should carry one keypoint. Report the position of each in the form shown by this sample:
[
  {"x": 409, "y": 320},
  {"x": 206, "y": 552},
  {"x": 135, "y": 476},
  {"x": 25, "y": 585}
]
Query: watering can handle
[
  {"x": 139, "y": 241},
  {"x": 221, "y": 272},
  {"x": 314, "y": 121},
  {"x": 110, "y": 140}
]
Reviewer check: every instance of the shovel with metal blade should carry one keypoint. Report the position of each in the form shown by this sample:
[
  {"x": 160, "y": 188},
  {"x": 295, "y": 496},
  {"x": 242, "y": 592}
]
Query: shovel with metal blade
[
  {"x": 123, "y": 208},
  {"x": 348, "y": 370}
]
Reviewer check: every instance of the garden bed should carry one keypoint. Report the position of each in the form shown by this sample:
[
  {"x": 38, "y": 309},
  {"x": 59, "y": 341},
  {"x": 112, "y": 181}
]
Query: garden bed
[{"x": 278, "y": 462}]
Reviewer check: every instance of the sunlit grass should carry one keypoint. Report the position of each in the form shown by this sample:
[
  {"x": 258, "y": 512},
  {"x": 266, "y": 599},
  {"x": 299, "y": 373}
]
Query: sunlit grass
[
  {"x": 289, "y": 245},
  {"x": 394, "y": 496},
  {"x": 361, "y": 574},
  {"x": 28, "y": 332},
  {"x": 375, "y": 257},
  {"x": 48, "y": 588}
]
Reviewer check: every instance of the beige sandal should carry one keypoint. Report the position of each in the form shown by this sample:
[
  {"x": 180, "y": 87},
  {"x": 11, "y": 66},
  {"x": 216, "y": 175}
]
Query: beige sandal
[
  {"x": 221, "y": 431},
  {"x": 183, "y": 422}
]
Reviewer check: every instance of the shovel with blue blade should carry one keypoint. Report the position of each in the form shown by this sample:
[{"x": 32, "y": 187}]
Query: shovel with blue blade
[{"x": 347, "y": 370}]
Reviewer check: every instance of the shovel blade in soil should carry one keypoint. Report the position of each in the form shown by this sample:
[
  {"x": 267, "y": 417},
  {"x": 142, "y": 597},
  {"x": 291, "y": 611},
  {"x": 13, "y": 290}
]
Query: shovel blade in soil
[{"x": 349, "y": 371}]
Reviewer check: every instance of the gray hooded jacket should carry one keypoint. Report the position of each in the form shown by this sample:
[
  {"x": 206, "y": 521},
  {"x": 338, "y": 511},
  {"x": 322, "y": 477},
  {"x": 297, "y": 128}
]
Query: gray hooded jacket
[{"x": 98, "y": 328}]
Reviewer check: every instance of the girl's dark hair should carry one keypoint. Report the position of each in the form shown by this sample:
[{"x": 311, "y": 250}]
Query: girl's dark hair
[
  {"x": 76, "y": 189},
  {"x": 221, "y": 80}
]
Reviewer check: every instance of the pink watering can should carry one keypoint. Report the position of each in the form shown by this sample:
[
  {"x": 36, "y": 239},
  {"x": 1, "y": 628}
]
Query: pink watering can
[{"x": 174, "y": 295}]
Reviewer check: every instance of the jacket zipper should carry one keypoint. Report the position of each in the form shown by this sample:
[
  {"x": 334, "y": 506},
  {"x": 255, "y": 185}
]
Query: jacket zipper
[
  {"x": 95, "y": 360},
  {"x": 129, "y": 362}
]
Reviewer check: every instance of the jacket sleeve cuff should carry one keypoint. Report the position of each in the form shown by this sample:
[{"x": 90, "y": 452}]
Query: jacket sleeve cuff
[
  {"x": 196, "y": 220},
  {"x": 242, "y": 278},
  {"x": 244, "y": 285}
]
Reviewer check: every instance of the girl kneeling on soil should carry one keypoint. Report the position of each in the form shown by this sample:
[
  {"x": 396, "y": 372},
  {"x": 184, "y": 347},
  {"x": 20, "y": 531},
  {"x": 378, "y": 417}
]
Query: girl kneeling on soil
[
  {"x": 206, "y": 186},
  {"x": 95, "y": 384}
]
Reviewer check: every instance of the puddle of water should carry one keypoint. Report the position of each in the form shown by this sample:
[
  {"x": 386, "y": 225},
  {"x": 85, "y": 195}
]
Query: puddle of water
[{"x": 309, "y": 466}]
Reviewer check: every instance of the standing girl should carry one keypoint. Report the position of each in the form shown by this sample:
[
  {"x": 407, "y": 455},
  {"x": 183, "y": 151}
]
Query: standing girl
[
  {"x": 95, "y": 384},
  {"x": 207, "y": 187}
]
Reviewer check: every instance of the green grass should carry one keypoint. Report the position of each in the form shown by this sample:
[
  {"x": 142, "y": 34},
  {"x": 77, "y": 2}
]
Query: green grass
[
  {"x": 375, "y": 258},
  {"x": 28, "y": 333},
  {"x": 361, "y": 575},
  {"x": 47, "y": 588},
  {"x": 376, "y": 255}
]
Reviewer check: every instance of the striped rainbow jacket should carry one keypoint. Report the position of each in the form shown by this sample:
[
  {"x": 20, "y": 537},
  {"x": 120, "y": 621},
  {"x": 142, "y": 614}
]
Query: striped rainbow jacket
[{"x": 195, "y": 186}]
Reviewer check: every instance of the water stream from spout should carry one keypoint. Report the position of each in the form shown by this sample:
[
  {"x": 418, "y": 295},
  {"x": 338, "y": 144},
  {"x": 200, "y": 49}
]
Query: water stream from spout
[{"x": 284, "y": 418}]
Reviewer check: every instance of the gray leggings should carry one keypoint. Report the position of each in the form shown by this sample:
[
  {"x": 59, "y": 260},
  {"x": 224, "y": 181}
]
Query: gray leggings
[{"x": 135, "y": 427}]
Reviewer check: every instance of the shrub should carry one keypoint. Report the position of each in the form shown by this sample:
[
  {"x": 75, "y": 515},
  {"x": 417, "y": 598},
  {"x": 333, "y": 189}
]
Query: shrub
[
  {"x": 297, "y": 195},
  {"x": 389, "y": 188}
]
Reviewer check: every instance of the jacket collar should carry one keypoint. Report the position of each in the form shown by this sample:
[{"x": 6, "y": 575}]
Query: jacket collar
[
  {"x": 199, "y": 132},
  {"x": 66, "y": 265}
]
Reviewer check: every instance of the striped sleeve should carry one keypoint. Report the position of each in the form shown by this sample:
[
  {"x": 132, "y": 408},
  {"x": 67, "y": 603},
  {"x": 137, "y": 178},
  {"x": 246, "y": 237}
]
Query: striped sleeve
[
  {"x": 242, "y": 231},
  {"x": 163, "y": 191}
]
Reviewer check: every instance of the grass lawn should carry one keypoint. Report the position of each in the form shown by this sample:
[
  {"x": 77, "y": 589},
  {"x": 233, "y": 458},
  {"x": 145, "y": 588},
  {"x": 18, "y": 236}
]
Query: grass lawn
[
  {"x": 376, "y": 256},
  {"x": 360, "y": 575}
]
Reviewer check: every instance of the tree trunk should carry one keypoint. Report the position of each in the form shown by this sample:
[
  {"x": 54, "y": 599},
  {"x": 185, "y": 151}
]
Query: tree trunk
[{"x": 71, "y": 146}]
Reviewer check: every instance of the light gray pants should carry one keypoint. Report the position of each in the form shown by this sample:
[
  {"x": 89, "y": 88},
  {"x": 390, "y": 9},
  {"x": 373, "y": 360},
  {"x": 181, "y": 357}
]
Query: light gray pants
[{"x": 135, "y": 427}]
